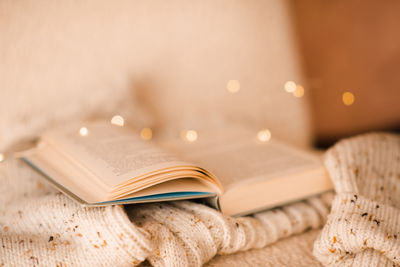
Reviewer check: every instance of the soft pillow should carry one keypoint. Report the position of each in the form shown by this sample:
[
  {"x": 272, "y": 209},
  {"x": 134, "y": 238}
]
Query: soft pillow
[{"x": 164, "y": 65}]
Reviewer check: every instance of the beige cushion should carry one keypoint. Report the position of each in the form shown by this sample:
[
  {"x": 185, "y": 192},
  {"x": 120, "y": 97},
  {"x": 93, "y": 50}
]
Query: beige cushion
[{"x": 168, "y": 61}]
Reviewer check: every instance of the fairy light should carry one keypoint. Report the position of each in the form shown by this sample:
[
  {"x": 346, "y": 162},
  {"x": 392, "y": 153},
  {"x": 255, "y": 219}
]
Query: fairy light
[
  {"x": 2, "y": 157},
  {"x": 290, "y": 86},
  {"x": 299, "y": 92},
  {"x": 348, "y": 98},
  {"x": 83, "y": 131},
  {"x": 233, "y": 86},
  {"x": 264, "y": 135},
  {"x": 118, "y": 120},
  {"x": 146, "y": 133},
  {"x": 189, "y": 135}
]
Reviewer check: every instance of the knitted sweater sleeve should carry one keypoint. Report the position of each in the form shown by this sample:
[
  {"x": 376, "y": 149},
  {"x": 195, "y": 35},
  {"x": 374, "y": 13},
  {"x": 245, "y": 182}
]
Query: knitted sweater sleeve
[{"x": 363, "y": 228}]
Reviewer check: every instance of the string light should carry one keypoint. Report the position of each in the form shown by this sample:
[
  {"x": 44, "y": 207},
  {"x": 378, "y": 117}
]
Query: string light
[
  {"x": 348, "y": 98},
  {"x": 290, "y": 86},
  {"x": 233, "y": 86},
  {"x": 264, "y": 135},
  {"x": 299, "y": 92},
  {"x": 190, "y": 135},
  {"x": 2, "y": 157},
  {"x": 83, "y": 131},
  {"x": 118, "y": 120},
  {"x": 146, "y": 133}
]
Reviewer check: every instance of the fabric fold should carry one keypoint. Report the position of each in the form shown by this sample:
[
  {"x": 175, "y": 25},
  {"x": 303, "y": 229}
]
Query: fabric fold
[
  {"x": 41, "y": 227},
  {"x": 363, "y": 228}
]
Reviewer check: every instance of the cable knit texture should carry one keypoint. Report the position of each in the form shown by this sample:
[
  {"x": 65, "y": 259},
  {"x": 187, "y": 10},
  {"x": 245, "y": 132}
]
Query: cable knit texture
[
  {"x": 293, "y": 251},
  {"x": 363, "y": 228},
  {"x": 41, "y": 227}
]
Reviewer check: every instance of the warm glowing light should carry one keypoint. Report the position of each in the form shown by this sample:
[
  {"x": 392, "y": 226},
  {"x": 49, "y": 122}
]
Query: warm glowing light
[
  {"x": 299, "y": 92},
  {"x": 348, "y": 98},
  {"x": 190, "y": 135},
  {"x": 118, "y": 120},
  {"x": 146, "y": 133},
  {"x": 264, "y": 135},
  {"x": 2, "y": 157},
  {"x": 233, "y": 86},
  {"x": 83, "y": 131},
  {"x": 290, "y": 86}
]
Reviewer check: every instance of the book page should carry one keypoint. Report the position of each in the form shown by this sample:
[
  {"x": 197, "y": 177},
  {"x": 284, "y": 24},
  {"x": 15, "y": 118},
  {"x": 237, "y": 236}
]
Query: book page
[
  {"x": 111, "y": 153},
  {"x": 239, "y": 157}
]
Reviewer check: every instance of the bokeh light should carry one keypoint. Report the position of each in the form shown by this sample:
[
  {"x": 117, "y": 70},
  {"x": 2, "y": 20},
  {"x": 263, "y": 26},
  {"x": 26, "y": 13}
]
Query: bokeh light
[
  {"x": 146, "y": 133},
  {"x": 264, "y": 135},
  {"x": 83, "y": 131},
  {"x": 118, "y": 120},
  {"x": 348, "y": 98},
  {"x": 233, "y": 86}
]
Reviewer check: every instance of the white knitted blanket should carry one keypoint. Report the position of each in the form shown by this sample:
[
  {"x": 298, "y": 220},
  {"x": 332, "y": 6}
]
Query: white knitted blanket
[
  {"x": 363, "y": 228},
  {"x": 42, "y": 227}
]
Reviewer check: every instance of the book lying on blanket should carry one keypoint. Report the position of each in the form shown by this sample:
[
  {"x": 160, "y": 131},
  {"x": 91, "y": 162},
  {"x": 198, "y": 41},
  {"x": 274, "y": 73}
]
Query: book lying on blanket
[{"x": 238, "y": 174}]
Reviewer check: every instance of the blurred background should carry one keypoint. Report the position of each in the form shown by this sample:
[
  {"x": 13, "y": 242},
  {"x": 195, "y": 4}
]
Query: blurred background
[
  {"x": 350, "y": 46},
  {"x": 309, "y": 72}
]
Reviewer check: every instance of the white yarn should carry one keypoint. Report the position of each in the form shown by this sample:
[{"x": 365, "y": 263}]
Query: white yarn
[
  {"x": 293, "y": 251},
  {"x": 42, "y": 227},
  {"x": 363, "y": 228}
]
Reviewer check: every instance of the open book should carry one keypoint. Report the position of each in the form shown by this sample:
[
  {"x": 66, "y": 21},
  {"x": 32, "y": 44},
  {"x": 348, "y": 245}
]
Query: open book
[{"x": 235, "y": 172}]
